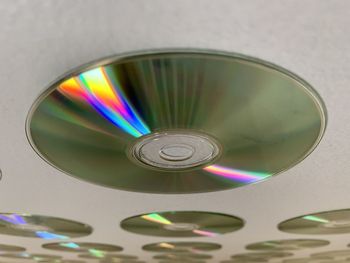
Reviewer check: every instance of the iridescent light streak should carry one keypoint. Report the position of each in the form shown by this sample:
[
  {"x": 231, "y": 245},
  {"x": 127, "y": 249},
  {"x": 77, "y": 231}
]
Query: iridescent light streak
[
  {"x": 157, "y": 219},
  {"x": 70, "y": 245},
  {"x": 204, "y": 233},
  {"x": 316, "y": 219},
  {"x": 95, "y": 88},
  {"x": 13, "y": 219},
  {"x": 96, "y": 253},
  {"x": 236, "y": 175},
  {"x": 48, "y": 235},
  {"x": 166, "y": 245}
]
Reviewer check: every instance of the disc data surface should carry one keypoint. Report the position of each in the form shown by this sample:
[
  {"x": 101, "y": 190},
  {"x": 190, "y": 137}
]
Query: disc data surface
[
  {"x": 176, "y": 122},
  {"x": 182, "y": 224},
  {"x": 331, "y": 222},
  {"x": 41, "y": 226},
  {"x": 288, "y": 244},
  {"x": 82, "y": 247},
  {"x": 181, "y": 247}
]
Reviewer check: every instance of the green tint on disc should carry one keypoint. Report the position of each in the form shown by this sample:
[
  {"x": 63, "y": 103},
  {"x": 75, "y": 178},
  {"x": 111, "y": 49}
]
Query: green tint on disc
[
  {"x": 181, "y": 247},
  {"x": 11, "y": 248},
  {"x": 110, "y": 257},
  {"x": 39, "y": 226},
  {"x": 288, "y": 244},
  {"x": 182, "y": 224},
  {"x": 261, "y": 255},
  {"x": 323, "y": 223},
  {"x": 183, "y": 256},
  {"x": 82, "y": 247},
  {"x": 333, "y": 254},
  {"x": 176, "y": 121},
  {"x": 35, "y": 257}
]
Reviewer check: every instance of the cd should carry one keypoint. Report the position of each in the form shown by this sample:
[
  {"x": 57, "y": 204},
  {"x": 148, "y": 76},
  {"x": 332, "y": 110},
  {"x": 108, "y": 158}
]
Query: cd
[
  {"x": 176, "y": 121},
  {"x": 330, "y": 222},
  {"x": 182, "y": 224},
  {"x": 261, "y": 255},
  {"x": 36, "y": 257},
  {"x": 181, "y": 247},
  {"x": 288, "y": 244},
  {"x": 307, "y": 260},
  {"x": 11, "y": 248},
  {"x": 39, "y": 226},
  {"x": 71, "y": 261},
  {"x": 333, "y": 254},
  {"x": 183, "y": 256},
  {"x": 105, "y": 256},
  {"x": 82, "y": 247}
]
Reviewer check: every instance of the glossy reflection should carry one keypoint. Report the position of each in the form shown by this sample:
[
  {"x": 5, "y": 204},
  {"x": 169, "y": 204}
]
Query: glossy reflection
[
  {"x": 45, "y": 227},
  {"x": 182, "y": 224},
  {"x": 265, "y": 118}
]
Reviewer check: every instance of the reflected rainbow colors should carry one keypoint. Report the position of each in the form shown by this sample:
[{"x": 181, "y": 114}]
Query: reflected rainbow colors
[
  {"x": 236, "y": 175},
  {"x": 15, "y": 219},
  {"x": 157, "y": 218},
  {"x": 97, "y": 88}
]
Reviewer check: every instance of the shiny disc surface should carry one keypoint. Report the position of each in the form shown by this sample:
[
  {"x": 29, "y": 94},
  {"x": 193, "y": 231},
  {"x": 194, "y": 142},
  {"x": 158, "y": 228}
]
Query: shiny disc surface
[
  {"x": 82, "y": 247},
  {"x": 333, "y": 254},
  {"x": 39, "y": 226},
  {"x": 182, "y": 224},
  {"x": 183, "y": 256},
  {"x": 11, "y": 248},
  {"x": 330, "y": 222},
  {"x": 36, "y": 257},
  {"x": 176, "y": 121},
  {"x": 288, "y": 244},
  {"x": 106, "y": 256},
  {"x": 181, "y": 247},
  {"x": 261, "y": 255}
]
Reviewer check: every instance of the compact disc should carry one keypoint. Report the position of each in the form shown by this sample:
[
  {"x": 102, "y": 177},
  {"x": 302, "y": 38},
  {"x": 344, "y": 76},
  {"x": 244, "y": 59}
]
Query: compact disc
[
  {"x": 181, "y": 247},
  {"x": 176, "y": 121},
  {"x": 330, "y": 222},
  {"x": 183, "y": 256},
  {"x": 36, "y": 257},
  {"x": 307, "y": 260},
  {"x": 182, "y": 224},
  {"x": 105, "y": 256},
  {"x": 333, "y": 254},
  {"x": 82, "y": 247},
  {"x": 261, "y": 255},
  {"x": 288, "y": 244},
  {"x": 39, "y": 226},
  {"x": 11, "y": 248}
]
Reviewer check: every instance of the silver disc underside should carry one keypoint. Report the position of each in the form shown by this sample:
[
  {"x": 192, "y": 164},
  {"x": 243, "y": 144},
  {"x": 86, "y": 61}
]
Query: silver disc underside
[{"x": 180, "y": 121}]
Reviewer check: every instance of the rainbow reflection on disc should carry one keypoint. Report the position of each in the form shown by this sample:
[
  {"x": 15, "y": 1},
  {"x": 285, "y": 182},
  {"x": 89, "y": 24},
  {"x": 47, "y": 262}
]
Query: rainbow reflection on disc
[
  {"x": 288, "y": 244},
  {"x": 181, "y": 247},
  {"x": 176, "y": 121},
  {"x": 182, "y": 224},
  {"x": 39, "y": 226},
  {"x": 83, "y": 247},
  {"x": 322, "y": 223}
]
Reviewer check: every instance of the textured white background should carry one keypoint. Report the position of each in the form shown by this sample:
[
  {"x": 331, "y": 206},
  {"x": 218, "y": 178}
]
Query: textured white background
[{"x": 40, "y": 40}]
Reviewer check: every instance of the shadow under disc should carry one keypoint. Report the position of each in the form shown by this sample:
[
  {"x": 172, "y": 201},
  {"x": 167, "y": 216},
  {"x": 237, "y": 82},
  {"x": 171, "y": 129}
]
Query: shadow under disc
[
  {"x": 323, "y": 223},
  {"x": 176, "y": 121},
  {"x": 40, "y": 226},
  {"x": 182, "y": 224}
]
